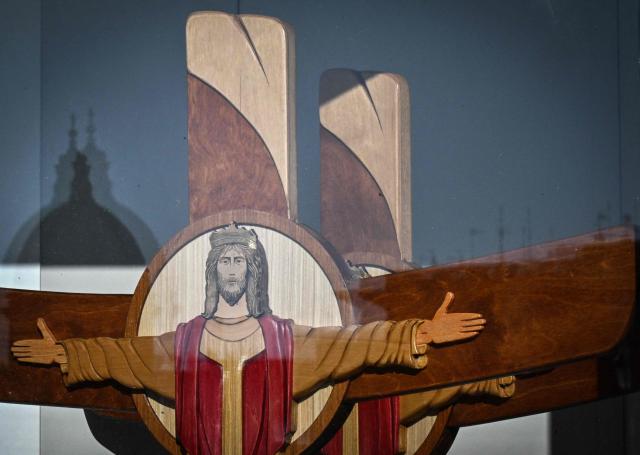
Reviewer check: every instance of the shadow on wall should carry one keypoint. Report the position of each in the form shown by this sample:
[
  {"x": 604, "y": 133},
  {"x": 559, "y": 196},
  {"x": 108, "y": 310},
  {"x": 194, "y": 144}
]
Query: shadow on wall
[{"x": 83, "y": 224}]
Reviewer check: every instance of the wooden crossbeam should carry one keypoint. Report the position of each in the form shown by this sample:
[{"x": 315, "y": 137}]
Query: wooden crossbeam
[
  {"x": 68, "y": 316},
  {"x": 533, "y": 308},
  {"x": 575, "y": 383},
  {"x": 545, "y": 305}
]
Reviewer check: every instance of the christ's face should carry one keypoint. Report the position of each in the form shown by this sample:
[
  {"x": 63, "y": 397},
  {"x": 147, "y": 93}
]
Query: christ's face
[{"x": 232, "y": 275}]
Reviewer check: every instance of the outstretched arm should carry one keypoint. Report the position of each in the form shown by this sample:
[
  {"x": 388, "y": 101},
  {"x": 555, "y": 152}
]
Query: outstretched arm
[
  {"x": 325, "y": 355},
  {"x": 140, "y": 363},
  {"x": 331, "y": 354},
  {"x": 415, "y": 406}
]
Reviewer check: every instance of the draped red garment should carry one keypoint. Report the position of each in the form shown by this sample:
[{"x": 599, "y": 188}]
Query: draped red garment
[
  {"x": 266, "y": 395},
  {"x": 378, "y": 429}
]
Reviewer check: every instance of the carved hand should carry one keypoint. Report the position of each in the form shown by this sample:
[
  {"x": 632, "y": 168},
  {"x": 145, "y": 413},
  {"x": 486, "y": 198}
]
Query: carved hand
[
  {"x": 43, "y": 351},
  {"x": 449, "y": 327}
]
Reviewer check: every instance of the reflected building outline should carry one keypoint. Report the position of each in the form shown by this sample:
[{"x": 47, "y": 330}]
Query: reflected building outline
[{"x": 83, "y": 224}]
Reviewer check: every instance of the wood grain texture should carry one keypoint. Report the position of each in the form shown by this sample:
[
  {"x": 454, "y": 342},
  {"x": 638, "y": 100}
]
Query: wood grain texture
[
  {"x": 67, "y": 315},
  {"x": 249, "y": 61},
  {"x": 230, "y": 167},
  {"x": 369, "y": 113},
  {"x": 418, "y": 435},
  {"x": 232, "y": 357},
  {"x": 184, "y": 284},
  {"x": 305, "y": 295},
  {"x": 545, "y": 305},
  {"x": 565, "y": 385},
  {"x": 354, "y": 212},
  {"x": 366, "y": 190}
]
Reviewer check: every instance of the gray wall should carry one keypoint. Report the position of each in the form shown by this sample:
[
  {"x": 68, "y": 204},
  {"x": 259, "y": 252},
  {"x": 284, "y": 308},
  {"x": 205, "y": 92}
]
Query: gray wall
[{"x": 20, "y": 93}]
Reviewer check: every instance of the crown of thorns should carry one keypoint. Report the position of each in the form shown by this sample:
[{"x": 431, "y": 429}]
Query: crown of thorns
[{"x": 232, "y": 235}]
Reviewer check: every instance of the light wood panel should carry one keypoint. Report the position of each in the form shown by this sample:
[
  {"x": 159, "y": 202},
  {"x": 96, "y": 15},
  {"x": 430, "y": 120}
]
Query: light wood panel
[
  {"x": 418, "y": 433},
  {"x": 250, "y": 61},
  {"x": 369, "y": 112}
]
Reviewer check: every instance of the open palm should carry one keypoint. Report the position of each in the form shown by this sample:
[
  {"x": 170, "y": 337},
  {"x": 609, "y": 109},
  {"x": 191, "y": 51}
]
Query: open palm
[
  {"x": 449, "y": 327},
  {"x": 44, "y": 350}
]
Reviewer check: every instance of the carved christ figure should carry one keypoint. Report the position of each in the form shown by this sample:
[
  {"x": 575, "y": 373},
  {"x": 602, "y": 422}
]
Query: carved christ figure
[{"x": 236, "y": 371}]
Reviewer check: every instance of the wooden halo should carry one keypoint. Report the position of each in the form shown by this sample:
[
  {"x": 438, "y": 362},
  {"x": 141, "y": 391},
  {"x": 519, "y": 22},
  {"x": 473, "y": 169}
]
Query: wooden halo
[{"x": 332, "y": 266}]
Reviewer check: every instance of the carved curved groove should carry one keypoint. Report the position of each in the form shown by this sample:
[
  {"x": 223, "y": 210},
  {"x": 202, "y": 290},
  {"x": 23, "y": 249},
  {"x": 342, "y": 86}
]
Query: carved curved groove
[
  {"x": 237, "y": 20},
  {"x": 363, "y": 83},
  {"x": 230, "y": 166},
  {"x": 357, "y": 218}
]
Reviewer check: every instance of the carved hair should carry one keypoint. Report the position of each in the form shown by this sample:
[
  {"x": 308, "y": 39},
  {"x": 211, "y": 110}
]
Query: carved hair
[{"x": 257, "y": 273}]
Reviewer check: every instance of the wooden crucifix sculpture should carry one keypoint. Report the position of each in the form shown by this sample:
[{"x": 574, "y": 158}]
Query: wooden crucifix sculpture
[{"x": 277, "y": 385}]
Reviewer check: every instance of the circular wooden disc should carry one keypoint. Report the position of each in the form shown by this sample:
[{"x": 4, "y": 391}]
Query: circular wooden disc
[{"x": 171, "y": 290}]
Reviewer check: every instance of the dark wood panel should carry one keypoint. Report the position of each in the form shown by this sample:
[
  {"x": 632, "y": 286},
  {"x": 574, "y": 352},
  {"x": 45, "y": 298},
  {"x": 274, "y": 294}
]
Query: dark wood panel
[
  {"x": 545, "y": 305},
  {"x": 562, "y": 386},
  {"x": 354, "y": 213},
  {"x": 68, "y": 316},
  {"x": 575, "y": 383},
  {"x": 230, "y": 166}
]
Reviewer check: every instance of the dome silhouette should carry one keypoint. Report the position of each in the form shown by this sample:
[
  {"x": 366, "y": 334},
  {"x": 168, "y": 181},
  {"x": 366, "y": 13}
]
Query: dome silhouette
[{"x": 75, "y": 229}]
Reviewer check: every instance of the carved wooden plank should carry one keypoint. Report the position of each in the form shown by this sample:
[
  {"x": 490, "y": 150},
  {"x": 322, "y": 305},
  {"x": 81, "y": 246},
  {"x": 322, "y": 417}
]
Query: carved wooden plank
[
  {"x": 356, "y": 215},
  {"x": 229, "y": 163},
  {"x": 241, "y": 113},
  {"x": 365, "y": 146},
  {"x": 359, "y": 220},
  {"x": 68, "y": 315},
  {"x": 532, "y": 299}
]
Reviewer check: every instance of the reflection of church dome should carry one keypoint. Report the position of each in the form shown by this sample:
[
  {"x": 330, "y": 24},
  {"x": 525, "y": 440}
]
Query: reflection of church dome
[
  {"x": 82, "y": 232},
  {"x": 78, "y": 230}
]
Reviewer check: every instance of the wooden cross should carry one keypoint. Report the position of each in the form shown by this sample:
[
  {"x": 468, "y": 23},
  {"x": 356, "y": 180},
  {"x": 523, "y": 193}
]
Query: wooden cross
[{"x": 556, "y": 311}]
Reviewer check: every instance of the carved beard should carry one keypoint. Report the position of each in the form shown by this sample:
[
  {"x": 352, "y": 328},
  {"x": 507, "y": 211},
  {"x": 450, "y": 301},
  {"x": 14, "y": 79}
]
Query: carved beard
[{"x": 232, "y": 290}]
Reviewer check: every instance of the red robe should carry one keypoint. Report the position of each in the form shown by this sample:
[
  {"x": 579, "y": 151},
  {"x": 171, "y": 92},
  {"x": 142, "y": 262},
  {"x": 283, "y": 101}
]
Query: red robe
[
  {"x": 267, "y": 380},
  {"x": 379, "y": 429}
]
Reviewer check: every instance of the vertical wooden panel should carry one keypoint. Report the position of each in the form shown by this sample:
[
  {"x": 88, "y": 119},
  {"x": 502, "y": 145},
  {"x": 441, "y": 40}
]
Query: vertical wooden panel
[
  {"x": 355, "y": 215},
  {"x": 366, "y": 189},
  {"x": 230, "y": 166},
  {"x": 249, "y": 61},
  {"x": 369, "y": 113}
]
